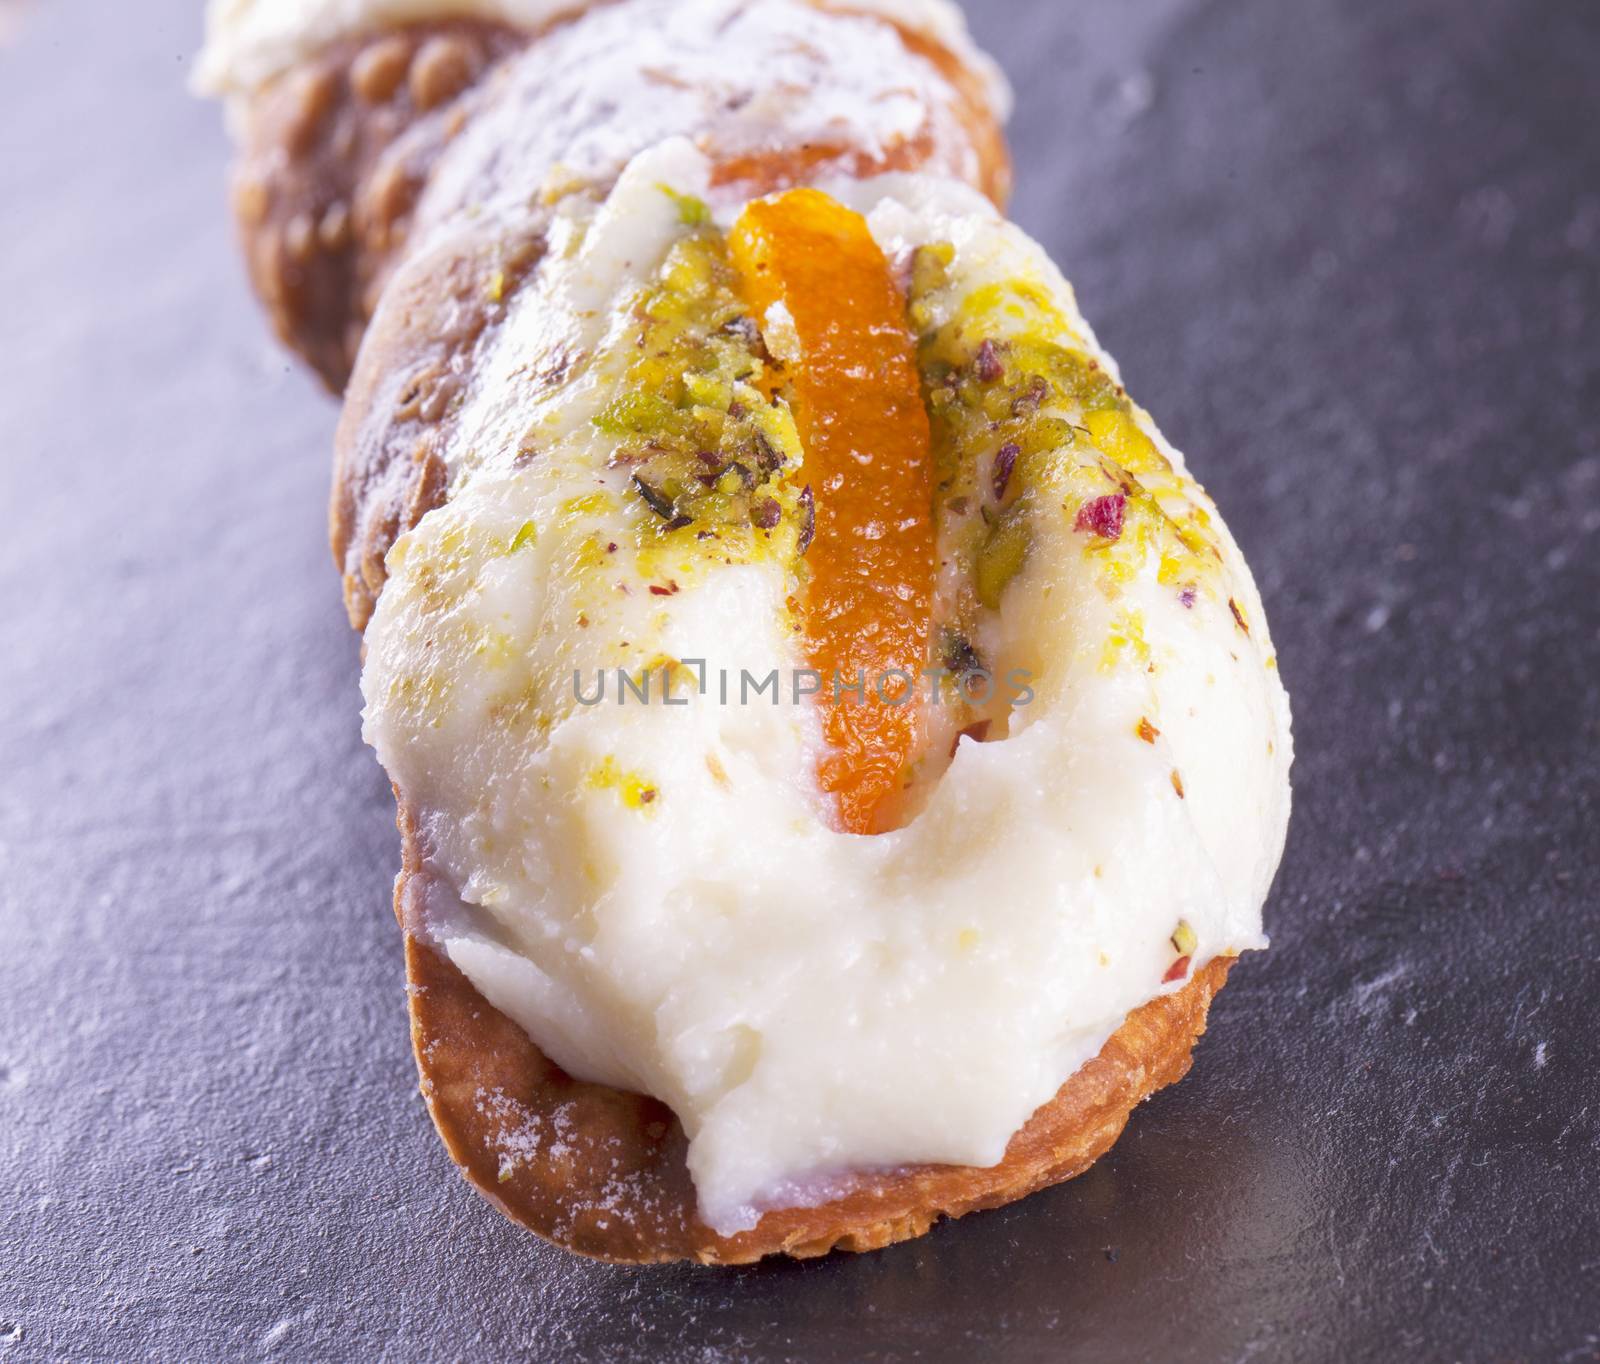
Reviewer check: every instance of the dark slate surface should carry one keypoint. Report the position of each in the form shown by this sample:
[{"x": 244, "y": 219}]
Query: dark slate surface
[{"x": 1346, "y": 251}]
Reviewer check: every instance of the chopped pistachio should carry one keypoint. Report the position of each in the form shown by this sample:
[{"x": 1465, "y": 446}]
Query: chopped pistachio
[
  {"x": 956, "y": 653},
  {"x": 1005, "y": 369},
  {"x": 692, "y": 212},
  {"x": 1001, "y": 557},
  {"x": 655, "y": 498},
  {"x": 930, "y": 268},
  {"x": 705, "y": 443}
]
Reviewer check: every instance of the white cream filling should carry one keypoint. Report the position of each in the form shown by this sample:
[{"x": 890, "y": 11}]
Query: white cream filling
[
  {"x": 248, "y": 42},
  {"x": 810, "y": 1003}
]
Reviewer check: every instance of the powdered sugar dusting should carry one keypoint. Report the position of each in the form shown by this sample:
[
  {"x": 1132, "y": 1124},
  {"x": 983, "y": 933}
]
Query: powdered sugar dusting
[
  {"x": 740, "y": 79},
  {"x": 551, "y": 1144}
]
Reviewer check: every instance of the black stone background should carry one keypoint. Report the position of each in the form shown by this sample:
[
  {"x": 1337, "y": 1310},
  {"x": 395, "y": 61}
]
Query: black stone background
[{"x": 1346, "y": 250}]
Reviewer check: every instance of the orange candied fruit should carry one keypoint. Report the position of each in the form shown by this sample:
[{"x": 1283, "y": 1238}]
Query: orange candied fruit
[{"x": 857, "y": 400}]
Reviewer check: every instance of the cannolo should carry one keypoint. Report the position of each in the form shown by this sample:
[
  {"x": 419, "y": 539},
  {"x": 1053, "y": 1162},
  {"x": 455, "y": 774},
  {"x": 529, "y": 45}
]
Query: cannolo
[{"x": 838, "y": 747}]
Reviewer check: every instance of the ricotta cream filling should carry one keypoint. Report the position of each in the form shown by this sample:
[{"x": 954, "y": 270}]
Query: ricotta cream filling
[
  {"x": 248, "y": 42},
  {"x": 653, "y": 892}
]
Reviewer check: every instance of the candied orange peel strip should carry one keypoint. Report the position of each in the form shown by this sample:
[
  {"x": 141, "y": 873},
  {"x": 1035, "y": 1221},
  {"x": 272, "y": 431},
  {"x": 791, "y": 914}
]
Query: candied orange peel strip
[{"x": 857, "y": 401}]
